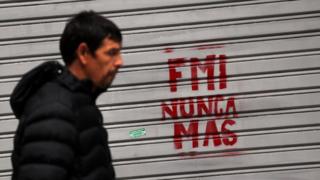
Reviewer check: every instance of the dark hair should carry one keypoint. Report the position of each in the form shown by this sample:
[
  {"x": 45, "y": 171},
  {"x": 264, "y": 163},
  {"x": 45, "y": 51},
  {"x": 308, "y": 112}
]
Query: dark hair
[{"x": 90, "y": 28}]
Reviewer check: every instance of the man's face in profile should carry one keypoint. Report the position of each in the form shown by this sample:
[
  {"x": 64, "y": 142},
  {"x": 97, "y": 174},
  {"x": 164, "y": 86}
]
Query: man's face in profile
[{"x": 102, "y": 67}]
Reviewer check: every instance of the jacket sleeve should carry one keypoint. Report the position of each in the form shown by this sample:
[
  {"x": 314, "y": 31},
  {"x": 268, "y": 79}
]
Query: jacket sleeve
[{"x": 47, "y": 144}]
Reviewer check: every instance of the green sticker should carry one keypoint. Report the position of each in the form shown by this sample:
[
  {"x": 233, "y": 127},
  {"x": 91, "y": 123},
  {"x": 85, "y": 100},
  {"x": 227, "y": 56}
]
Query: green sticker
[{"x": 137, "y": 133}]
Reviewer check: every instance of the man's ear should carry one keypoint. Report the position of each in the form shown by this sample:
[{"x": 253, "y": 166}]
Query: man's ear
[{"x": 82, "y": 53}]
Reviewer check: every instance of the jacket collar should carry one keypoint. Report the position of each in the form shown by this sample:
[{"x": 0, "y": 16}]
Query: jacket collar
[{"x": 74, "y": 84}]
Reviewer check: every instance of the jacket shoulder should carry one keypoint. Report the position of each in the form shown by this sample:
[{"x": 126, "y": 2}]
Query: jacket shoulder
[
  {"x": 52, "y": 97},
  {"x": 47, "y": 140}
]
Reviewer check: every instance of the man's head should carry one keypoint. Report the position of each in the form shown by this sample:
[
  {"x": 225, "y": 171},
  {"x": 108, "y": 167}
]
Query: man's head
[{"x": 90, "y": 47}]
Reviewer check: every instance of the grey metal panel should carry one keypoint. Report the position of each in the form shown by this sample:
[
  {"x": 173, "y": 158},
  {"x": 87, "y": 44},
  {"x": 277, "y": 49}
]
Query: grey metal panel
[
  {"x": 98, "y": 5},
  {"x": 17, "y": 3},
  {"x": 235, "y": 52},
  {"x": 153, "y": 111},
  {"x": 4, "y": 162},
  {"x": 5, "y": 177},
  {"x": 163, "y": 149},
  {"x": 6, "y": 145},
  {"x": 197, "y": 17},
  {"x": 255, "y": 124},
  {"x": 10, "y": 125},
  {"x": 299, "y": 174},
  {"x": 158, "y": 128},
  {"x": 158, "y": 94},
  {"x": 235, "y": 86},
  {"x": 162, "y": 39},
  {"x": 251, "y": 151},
  {"x": 273, "y": 69},
  {"x": 161, "y": 170},
  {"x": 158, "y": 72}
]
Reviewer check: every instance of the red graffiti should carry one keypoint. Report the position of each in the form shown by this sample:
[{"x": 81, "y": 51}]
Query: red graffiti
[
  {"x": 180, "y": 131},
  {"x": 173, "y": 73},
  {"x": 207, "y": 67},
  {"x": 201, "y": 106},
  {"x": 204, "y": 47},
  {"x": 168, "y": 50},
  {"x": 195, "y": 65},
  {"x": 212, "y": 132},
  {"x": 213, "y": 106},
  {"x": 218, "y": 135},
  {"x": 216, "y": 107}
]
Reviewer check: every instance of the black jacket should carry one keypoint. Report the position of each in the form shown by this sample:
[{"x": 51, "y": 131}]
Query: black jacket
[{"x": 60, "y": 134}]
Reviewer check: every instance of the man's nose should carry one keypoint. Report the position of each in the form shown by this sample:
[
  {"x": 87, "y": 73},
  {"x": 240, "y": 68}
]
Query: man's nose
[{"x": 119, "y": 61}]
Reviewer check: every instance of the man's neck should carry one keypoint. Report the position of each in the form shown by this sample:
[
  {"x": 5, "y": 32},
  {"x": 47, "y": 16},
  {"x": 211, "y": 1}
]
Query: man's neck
[{"x": 76, "y": 69}]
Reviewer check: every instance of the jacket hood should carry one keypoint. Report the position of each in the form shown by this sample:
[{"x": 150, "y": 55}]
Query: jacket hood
[
  {"x": 38, "y": 76},
  {"x": 31, "y": 82}
]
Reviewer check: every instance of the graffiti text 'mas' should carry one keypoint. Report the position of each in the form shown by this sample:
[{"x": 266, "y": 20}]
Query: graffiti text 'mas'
[
  {"x": 197, "y": 67},
  {"x": 214, "y": 107},
  {"x": 214, "y": 133}
]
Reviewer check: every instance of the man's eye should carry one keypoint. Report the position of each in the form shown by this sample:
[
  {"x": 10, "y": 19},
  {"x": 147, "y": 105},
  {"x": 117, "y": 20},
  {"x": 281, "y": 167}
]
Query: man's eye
[{"x": 113, "y": 52}]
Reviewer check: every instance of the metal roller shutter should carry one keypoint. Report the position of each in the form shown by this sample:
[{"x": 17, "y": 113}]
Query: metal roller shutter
[{"x": 211, "y": 89}]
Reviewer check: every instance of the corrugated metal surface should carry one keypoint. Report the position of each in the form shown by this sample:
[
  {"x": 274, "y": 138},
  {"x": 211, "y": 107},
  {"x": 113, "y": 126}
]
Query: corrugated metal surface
[{"x": 268, "y": 50}]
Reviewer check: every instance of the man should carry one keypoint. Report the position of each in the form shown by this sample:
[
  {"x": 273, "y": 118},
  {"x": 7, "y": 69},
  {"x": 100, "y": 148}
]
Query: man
[{"x": 60, "y": 135}]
